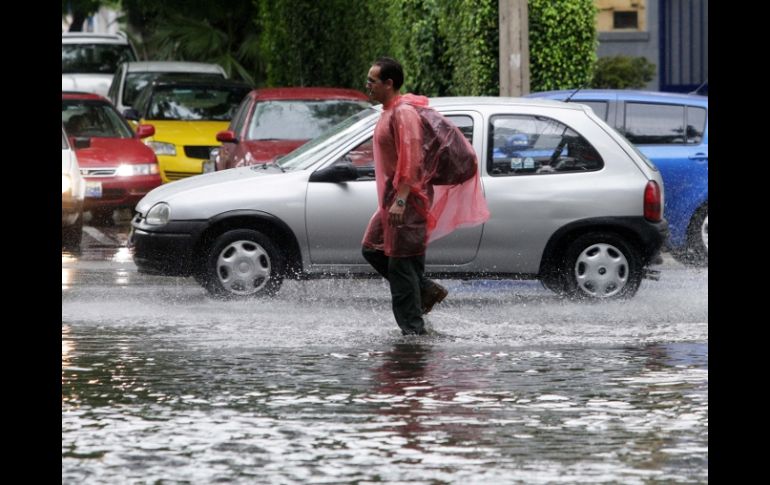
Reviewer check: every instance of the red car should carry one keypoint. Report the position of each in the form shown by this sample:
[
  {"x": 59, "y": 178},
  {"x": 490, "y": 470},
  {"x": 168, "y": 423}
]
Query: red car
[
  {"x": 272, "y": 122},
  {"x": 117, "y": 167}
]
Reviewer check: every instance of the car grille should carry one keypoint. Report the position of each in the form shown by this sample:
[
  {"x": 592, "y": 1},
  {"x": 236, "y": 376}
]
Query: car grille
[
  {"x": 198, "y": 151},
  {"x": 179, "y": 175},
  {"x": 97, "y": 172}
]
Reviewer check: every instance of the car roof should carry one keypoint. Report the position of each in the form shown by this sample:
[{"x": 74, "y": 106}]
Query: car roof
[
  {"x": 83, "y": 95},
  {"x": 308, "y": 93},
  {"x": 92, "y": 38},
  {"x": 627, "y": 94},
  {"x": 162, "y": 81},
  {"x": 173, "y": 66},
  {"x": 470, "y": 101}
]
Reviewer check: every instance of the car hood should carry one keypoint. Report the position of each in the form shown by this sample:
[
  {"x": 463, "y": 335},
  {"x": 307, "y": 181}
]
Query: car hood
[
  {"x": 263, "y": 151},
  {"x": 238, "y": 188},
  {"x": 89, "y": 83},
  {"x": 108, "y": 152},
  {"x": 187, "y": 132}
]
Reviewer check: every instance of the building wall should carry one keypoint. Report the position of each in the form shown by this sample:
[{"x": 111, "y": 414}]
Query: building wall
[{"x": 640, "y": 42}]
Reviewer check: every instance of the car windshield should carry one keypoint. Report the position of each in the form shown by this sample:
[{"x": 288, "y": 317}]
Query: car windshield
[
  {"x": 311, "y": 152},
  {"x": 136, "y": 81},
  {"x": 93, "y": 119},
  {"x": 195, "y": 103},
  {"x": 299, "y": 119},
  {"x": 94, "y": 58}
]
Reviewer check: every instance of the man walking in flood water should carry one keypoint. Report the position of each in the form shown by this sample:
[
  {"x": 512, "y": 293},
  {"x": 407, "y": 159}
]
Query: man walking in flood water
[{"x": 408, "y": 215}]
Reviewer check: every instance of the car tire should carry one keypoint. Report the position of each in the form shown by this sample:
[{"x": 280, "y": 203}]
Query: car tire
[
  {"x": 71, "y": 236},
  {"x": 240, "y": 264},
  {"x": 600, "y": 266},
  {"x": 696, "y": 251}
]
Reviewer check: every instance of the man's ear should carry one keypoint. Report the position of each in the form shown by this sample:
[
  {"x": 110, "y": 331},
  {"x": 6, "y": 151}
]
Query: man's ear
[{"x": 388, "y": 82}]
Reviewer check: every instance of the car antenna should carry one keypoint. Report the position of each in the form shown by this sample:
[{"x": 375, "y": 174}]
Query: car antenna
[
  {"x": 575, "y": 92},
  {"x": 697, "y": 90}
]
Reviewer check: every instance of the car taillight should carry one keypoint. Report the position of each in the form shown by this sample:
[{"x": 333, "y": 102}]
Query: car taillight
[{"x": 652, "y": 207}]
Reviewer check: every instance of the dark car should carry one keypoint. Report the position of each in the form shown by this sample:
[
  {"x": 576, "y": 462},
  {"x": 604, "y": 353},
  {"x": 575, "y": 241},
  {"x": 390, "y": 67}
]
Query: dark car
[
  {"x": 272, "y": 122},
  {"x": 117, "y": 167},
  {"x": 672, "y": 131}
]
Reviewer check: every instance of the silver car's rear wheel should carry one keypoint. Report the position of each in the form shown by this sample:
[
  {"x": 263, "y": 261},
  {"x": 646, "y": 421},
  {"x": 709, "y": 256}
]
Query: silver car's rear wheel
[
  {"x": 602, "y": 265},
  {"x": 243, "y": 263}
]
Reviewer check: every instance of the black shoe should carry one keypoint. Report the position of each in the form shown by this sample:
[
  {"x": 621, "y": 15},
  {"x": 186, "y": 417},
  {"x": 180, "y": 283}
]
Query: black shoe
[{"x": 433, "y": 295}]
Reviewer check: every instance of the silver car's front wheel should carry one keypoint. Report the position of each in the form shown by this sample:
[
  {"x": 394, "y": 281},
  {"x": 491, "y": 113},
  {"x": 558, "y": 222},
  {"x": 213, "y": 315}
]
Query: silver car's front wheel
[
  {"x": 602, "y": 265},
  {"x": 243, "y": 263}
]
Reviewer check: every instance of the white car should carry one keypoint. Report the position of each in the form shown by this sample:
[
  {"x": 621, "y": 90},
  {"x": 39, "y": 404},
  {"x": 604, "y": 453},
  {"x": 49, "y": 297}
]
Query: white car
[
  {"x": 572, "y": 203},
  {"x": 89, "y": 60},
  {"x": 73, "y": 190},
  {"x": 133, "y": 76}
]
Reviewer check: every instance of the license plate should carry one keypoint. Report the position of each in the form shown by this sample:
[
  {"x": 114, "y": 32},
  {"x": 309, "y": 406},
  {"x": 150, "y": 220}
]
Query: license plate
[{"x": 94, "y": 189}]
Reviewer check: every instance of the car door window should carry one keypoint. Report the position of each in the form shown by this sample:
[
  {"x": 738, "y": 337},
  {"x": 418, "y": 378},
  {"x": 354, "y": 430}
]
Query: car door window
[
  {"x": 598, "y": 107},
  {"x": 654, "y": 124},
  {"x": 527, "y": 145},
  {"x": 696, "y": 125},
  {"x": 240, "y": 115},
  {"x": 362, "y": 155}
]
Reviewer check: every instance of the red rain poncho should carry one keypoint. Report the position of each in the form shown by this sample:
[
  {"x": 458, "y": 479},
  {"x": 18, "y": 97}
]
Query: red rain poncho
[{"x": 432, "y": 211}]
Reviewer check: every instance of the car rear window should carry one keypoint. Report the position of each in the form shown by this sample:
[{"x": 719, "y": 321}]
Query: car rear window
[{"x": 94, "y": 58}]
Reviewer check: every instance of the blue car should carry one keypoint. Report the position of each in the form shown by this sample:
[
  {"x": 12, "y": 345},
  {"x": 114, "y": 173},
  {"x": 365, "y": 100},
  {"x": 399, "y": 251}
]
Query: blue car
[{"x": 672, "y": 131}]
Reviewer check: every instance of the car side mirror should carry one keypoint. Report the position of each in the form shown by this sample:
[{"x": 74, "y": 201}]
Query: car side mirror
[
  {"x": 227, "y": 136},
  {"x": 339, "y": 172},
  {"x": 143, "y": 131},
  {"x": 131, "y": 114},
  {"x": 80, "y": 142}
]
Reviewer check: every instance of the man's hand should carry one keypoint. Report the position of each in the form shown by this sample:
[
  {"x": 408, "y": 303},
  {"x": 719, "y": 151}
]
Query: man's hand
[{"x": 396, "y": 214}]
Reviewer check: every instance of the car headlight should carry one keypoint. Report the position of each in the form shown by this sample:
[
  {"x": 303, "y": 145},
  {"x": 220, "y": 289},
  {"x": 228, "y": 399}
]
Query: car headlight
[
  {"x": 128, "y": 170},
  {"x": 66, "y": 183},
  {"x": 161, "y": 148},
  {"x": 159, "y": 214}
]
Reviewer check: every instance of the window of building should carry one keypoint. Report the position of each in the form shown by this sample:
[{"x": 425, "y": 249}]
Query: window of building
[{"x": 625, "y": 20}]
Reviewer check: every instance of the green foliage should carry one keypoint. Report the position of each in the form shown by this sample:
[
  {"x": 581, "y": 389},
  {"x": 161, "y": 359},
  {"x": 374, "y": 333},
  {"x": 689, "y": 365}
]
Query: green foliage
[
  {"x": 622, "y": 72},
  {"x": 472, "y": 33},
  {"x": 562, "y": 43},
  {"x": 322, "y": 43},
  {"x": 200, "y": 31}
]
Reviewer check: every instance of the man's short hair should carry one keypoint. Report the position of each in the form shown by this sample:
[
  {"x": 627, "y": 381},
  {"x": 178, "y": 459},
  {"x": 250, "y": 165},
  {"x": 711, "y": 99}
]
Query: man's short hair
[{"x": 391, "y": 69}]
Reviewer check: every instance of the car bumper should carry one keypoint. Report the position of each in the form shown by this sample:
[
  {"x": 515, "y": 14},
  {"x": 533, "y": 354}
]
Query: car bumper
[
  {"x": 168, "y": 250},
  {"x": 119, "y": 192}
]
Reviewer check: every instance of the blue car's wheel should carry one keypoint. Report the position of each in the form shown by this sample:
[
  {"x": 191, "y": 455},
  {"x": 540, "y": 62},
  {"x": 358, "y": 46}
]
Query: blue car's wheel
[{"x": 696, "y": 252}]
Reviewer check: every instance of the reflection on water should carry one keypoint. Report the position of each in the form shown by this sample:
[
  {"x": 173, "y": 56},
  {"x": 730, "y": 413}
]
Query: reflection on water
[{"x": 142, "y": 404}]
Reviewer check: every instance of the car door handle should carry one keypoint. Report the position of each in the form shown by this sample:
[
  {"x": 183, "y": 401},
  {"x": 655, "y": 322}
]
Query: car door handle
[{"x": 699, "y": 156}]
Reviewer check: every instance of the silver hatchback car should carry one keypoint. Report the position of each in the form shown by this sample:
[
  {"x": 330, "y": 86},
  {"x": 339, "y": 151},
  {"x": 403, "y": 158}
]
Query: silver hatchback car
[{"x": 572, "y": 204}]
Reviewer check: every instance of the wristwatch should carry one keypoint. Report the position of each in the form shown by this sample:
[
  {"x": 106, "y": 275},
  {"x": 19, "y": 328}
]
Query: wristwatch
[{"x": 400, "y": 202}]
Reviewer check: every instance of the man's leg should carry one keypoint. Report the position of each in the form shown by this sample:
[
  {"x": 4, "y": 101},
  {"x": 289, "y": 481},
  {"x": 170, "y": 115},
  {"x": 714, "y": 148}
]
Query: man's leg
[
  {"x": 404, "y": 280},
  {"x": 377, "y": 259}
]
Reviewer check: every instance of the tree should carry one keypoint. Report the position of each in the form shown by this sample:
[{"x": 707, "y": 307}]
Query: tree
[
  {"x": 82, "y": 9},
  {"x": 562, "y": 43}
]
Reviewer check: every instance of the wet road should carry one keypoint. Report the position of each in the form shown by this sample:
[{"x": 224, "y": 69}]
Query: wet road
[{"x": 162, "y": 384}]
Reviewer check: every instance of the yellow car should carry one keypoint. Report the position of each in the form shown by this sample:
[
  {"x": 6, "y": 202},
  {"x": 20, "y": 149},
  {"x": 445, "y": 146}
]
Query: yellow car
[{"x": 187, "y": 113}]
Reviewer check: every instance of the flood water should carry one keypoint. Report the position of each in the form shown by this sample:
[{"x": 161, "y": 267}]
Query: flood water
[{"x": 161, "y": 384}]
